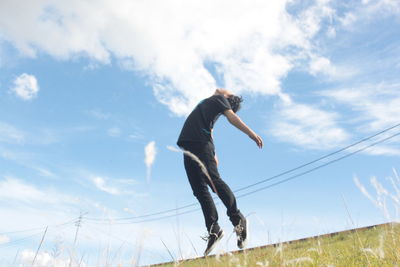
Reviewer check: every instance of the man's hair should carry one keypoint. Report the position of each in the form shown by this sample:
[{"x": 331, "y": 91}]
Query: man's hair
[{"x": 235, "y": 102}]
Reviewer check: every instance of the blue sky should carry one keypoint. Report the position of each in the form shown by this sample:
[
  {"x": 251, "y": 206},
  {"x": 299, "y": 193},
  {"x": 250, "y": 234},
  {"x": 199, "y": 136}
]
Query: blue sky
[{"x": 93, "y": 93}]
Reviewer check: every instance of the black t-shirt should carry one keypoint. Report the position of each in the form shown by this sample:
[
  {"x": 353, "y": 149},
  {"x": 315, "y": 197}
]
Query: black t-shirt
[{"x": 199, "y": 124}]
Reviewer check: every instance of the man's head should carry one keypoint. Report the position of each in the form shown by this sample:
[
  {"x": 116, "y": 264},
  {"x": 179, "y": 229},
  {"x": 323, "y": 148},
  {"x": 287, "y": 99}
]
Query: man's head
[{"x": 235, "y": 102}]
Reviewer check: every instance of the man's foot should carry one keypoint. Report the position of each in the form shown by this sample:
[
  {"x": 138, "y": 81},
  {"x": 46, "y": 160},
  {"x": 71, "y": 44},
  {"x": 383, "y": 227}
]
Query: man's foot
[
  {"x": 212, "y": 240},
  {"x": 241, "y": 233}
]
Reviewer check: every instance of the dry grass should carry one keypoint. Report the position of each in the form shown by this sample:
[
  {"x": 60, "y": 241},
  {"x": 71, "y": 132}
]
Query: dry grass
[{"x": 377, "y": 246}]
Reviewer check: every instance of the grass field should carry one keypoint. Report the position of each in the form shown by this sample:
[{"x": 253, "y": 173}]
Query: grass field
[{"x": 372, "y": 246}]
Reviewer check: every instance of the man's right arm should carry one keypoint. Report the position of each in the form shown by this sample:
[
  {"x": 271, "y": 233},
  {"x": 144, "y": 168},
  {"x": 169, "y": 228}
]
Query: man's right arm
[{"x": 238, "y": 123}]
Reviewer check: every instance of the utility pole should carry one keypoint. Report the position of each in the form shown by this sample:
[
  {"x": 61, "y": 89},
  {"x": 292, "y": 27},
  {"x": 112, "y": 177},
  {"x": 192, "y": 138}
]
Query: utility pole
[{"x": 78, "y": 224}]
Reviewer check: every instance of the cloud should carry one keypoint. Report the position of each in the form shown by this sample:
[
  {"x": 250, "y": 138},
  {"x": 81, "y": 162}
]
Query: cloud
[
  {"x": 367, "y": 11},
  {"x": 179, "y": 46},
  {"x": 377, "y": 104},
  {"x": 10, "y": 134},
  {"x": 114, "y": 132},
  {"x": 371, "y": 108},
  {"x": 99, "y": 114},
  {"x": 150, "y": 153},
  {"x": 41, "y": 205},
  {"x": 45, "y": 259},
  {"x": 17, "y": 191},
  {"x": 385, "y": 150},
  {"x": 4, "y": 239},
  {"x": 44, "y": 172},
  {"x": 307, "y": 126},
  {"x": 100, "y": 183},
  {"x": 387, "y": 6},
  {"x": 25, "y": 86}
]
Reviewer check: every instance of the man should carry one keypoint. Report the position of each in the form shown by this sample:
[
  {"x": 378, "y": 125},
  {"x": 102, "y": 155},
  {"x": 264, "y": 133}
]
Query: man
[{"x": 201, "y": 162}]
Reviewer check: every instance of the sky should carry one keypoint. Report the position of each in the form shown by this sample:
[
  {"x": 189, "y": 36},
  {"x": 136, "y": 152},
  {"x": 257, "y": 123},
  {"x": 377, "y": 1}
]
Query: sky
[{"x": 93, "y": 95}]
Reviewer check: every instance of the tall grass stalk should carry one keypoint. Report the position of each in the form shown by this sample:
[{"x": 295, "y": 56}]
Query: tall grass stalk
[{"x": 40, "y": 245}]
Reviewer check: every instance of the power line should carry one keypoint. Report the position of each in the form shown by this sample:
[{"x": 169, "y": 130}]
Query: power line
[
  {"x": 40, "y": 233},
  {"x": 38, "y": 228},
  {"x": 319, "y": 159},
  {"x": 280, "y": 182},
  {"x": 17, "y": 241},
  {"x": 320, "y": 166},
  {"x": 268, "y": 179},
  {"x": 151, "y": 219},
  {"x": 14, "y": 242}
]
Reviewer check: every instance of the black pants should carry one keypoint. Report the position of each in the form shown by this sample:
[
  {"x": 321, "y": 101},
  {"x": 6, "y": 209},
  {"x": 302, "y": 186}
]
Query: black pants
[{"x": 199, "y": 183}]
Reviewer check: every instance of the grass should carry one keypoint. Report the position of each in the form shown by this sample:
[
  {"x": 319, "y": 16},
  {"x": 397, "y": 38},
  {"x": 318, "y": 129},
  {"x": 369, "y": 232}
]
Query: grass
[{"x": 375, "y": 246}]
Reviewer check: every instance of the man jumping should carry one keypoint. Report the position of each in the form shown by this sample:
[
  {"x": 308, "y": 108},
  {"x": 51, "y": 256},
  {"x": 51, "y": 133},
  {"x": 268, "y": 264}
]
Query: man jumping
[{"x": 201, "y": 162}]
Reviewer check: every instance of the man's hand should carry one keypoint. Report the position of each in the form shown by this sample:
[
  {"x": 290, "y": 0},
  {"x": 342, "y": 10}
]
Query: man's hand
[{"x": 257, "y": 139}]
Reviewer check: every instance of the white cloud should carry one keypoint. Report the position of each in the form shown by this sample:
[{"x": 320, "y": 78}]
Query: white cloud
[
  {"x": 45, "y": 259},
  {"x": 44, "y": 172},
  {"x": 377, "y": 104},
  {"x": 114, "y": 132},
  {"x": 252, "y": 44},
  {"x": 373, "y": 107},
  {"x": 388, "y": 6},
  {"x": 10, "y": 134},
  {"x": 99, "y": 114},
  {"x": 321, "y": 64},
  {"x": 40, "y": 205},
  {"x": 150, "y": 153},
  {"x": 25, "y": 86},
  {"x": 368, "y": 10},
  {"x": 307, "y": 126},
  {"x": 17, "y": 191},
  {"x": 4, "y": 239},
  {"x": 100, "y": 183},
  {"x": 384, "y": 150}
]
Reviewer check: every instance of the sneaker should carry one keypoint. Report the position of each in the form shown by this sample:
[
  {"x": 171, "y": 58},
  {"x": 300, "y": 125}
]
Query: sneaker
[
  {"x": 212, "y": 240},
  {"x": 241, "y": 233}
]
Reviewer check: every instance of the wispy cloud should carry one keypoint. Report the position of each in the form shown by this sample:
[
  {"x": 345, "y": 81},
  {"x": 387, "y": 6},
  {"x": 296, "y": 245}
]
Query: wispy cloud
[
  {"x": 373, "y": 107},
  {"x": 377, "y": 104},
  {"x": 10, "y": 134},
  {"x": 25, "y": 86},
  {"x": 102, "y": 185},
  {"x": 99, "y": 114},
  {"x": 307, "y": 126},
  {"x": 17, "y": 191},
  {"x": 4, "y": 239},
  {"x": 150, "y": 153},
  {"x": 114, "y": 132},
  {"x": 44, "y": 172}
]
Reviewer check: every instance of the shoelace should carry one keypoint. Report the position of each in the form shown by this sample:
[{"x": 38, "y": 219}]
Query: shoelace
[
  {"x": 207, "y": 236},
  {"x": 238, "y": 229}
]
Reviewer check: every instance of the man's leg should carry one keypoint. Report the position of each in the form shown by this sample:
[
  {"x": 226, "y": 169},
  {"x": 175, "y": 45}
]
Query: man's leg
[
  {"x": 223, "y": 190},
  {"x": 228, "y": 198},
  {"x": 198, "y": 182}
]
